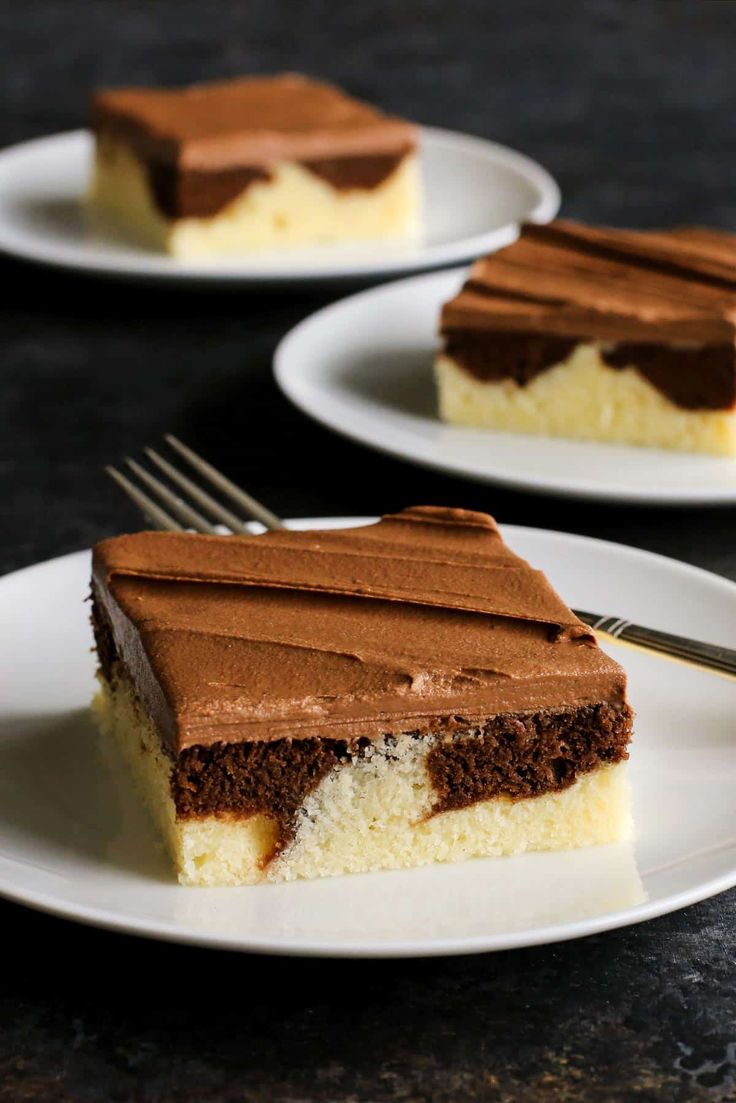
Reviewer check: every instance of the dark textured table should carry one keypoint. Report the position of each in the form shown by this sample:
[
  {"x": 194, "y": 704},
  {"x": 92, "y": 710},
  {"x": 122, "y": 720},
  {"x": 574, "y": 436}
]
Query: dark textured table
[{"x": 632, "y": 106}]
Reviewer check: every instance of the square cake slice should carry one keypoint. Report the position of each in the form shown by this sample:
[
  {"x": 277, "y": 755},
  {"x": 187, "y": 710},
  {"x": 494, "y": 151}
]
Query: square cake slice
[
  {"x": 598, "y": 334},
  {"x": 252, "y": 164},
  {"x": 303, "y": 704}
]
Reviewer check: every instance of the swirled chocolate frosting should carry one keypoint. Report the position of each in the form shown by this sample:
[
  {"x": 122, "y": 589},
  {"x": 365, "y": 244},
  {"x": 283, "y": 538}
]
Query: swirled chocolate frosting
[
  {"x": 422, "y": 622},
  {"x": 570, "y": 280},
  {"x": 257, "y": 121}
]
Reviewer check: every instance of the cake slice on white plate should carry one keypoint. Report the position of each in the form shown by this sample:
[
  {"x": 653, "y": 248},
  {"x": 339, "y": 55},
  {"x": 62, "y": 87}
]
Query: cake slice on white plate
[
  {"x": 254, "y": 163},
  {"x": 597, "y": 334},
  {"x": 305, "y": 704}
]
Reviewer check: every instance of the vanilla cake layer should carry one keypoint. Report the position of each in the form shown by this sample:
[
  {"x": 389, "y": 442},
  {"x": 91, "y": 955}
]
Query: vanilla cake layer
[
  {"x": 582, "y": 398},
  {"x": 293, "y": 207},
  {"x": 370, "y": 814}
]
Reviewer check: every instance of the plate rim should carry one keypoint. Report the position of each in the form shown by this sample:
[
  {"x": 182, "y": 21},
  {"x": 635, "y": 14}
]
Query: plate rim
[
  {"x": 444, "y": 947},
  {"x": 289, "y": 383},
  {"x": 154, "y": 268}
]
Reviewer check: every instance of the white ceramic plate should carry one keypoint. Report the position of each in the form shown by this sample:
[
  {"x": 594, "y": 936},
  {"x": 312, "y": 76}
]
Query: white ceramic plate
[
  {"x": 363, "y": 367},
  {"x": 476, "y": 193},
  {"x": 72, "y": 844}
]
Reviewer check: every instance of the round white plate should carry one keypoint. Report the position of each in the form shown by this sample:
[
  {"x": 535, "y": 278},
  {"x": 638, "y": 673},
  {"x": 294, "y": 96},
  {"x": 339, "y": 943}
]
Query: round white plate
[
  {"x": 73, "y": 843},
  {"x": 476, "y": 193},
  {"x": 364, "y": 367}
]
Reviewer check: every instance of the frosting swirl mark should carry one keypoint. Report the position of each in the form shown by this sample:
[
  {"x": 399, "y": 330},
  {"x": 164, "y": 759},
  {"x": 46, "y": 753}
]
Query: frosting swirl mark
[{"x": 404, "y": 625}]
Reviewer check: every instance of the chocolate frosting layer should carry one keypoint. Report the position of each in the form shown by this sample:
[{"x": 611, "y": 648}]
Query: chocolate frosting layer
[
  {"x": 423, "y": 622},
  {"x": 568, "y": 280},
  {"x": 250, "y": 122}
]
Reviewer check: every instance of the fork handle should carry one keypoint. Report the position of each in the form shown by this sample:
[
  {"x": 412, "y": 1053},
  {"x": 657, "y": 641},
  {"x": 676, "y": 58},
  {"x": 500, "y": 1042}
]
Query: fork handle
[{"x": 709, "y": 655}]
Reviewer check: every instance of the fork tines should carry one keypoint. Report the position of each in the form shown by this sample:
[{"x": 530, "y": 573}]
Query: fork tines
[{"x": 175, "y": 513}]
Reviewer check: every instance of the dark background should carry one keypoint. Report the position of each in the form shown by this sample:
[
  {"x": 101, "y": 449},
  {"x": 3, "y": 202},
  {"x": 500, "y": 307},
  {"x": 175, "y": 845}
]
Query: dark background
[{"x": 632, "y": 106}]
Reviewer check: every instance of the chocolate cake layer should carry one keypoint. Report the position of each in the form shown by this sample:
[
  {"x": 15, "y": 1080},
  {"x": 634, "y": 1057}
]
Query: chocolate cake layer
[
  {"x": 700, "y": 378},
  {"x": 253, "y": 122},
  {"x": 662, "y": 302},
  {"x": 517, "y": 756},
  {"x": 201, "y": 194},
  {"x": 399, "y": 626},
  {"x": 522, "y": 755},
  {"x": 518, "y": 356}
]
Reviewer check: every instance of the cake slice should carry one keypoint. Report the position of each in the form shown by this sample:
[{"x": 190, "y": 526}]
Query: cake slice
[
  {"x": 252, "y": 164},
  {"x": 302, "y": 704},
  {"x": 598, "y": 334}
]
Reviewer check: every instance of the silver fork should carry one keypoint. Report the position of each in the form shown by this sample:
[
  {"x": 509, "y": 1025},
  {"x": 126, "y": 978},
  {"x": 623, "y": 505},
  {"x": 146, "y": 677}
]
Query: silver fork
[
  {"x": 188, "y": 516},
  {"x": 176, "y": 514}
]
